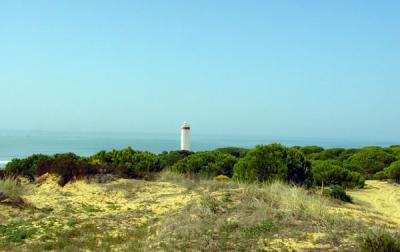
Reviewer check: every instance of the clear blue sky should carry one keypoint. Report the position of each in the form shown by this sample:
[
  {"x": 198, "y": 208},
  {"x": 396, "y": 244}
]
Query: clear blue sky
[{"x": 278, "y": 68}]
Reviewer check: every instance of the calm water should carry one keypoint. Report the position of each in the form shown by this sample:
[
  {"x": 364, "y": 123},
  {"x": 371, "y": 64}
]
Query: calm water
[{"x": 20, "y": 144}]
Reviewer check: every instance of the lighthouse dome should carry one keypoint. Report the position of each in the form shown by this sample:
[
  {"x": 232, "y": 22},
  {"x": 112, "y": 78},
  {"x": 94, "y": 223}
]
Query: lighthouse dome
[{"x": 185, "y": 125}]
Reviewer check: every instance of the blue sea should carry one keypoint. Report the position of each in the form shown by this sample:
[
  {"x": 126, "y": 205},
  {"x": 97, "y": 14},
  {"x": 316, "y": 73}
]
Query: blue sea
[{"x": 23, "y": 144}]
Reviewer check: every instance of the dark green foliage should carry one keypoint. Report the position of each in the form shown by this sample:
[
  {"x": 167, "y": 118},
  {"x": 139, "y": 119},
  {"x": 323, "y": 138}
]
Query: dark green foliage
[
  {"x": 333, "y": 153},
  {"x": 115, "y": 157},
  {"x": 146, "y": 162},
  {"x": 128, "y": 162},
  {"x": 339, "y": 154},
  {"x": 339, "y": 193},
  {"x": 299, "y": 169},
  {"x": 269, "y": 162},
  {"x": 234, "y": 151},
  {"x": 369, "y": 161},
  {"x": 26, "y": 167},
  {"x": 329, "y": 172},
  {"x": 206, "y": 163},
  {"x": 393, "y": 171},
  {"x": 394, "y": 150},
  {"x": 381, "y": 175},
  {"x": 125, "y": 163},
  {"x": 168, "y": 159},
  {"x": 348, "y": 153},
  {"x": 265, "y": 162},
  {"x": 69, "y": 166},
  {"x": 380, "y": 241},
  {"x": 307, "y": 150}
]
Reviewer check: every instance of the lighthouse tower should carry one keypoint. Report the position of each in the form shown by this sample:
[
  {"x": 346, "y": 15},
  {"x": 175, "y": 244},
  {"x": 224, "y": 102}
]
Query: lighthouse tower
[{"x": 185, "y": 136}]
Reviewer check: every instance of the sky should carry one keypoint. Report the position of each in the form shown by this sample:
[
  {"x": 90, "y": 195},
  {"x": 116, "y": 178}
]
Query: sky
[{"x": 315, "y": 69}]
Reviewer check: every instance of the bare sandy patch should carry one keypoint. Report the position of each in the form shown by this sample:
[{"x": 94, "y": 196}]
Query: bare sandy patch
[{"x": 381, "y": 198}]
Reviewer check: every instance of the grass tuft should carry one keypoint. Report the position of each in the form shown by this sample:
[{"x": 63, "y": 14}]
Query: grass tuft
[
  {"x": 379, "y": 240},
  {"x": 11, "y": 187}
]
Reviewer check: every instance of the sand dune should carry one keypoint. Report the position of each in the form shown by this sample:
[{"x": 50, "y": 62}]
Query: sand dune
[{"x": 381, "y": 197}]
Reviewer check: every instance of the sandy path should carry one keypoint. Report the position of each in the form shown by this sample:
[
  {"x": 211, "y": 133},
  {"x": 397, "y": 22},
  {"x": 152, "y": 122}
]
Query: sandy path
[{"x": 381, "y": 197}]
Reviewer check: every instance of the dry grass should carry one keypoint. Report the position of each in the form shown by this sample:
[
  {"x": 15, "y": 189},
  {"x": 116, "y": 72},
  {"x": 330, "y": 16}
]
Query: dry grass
[
  {"x": 177, "y": 214},
  {"x": 11, "y": 187},
  {"x": 232, "y": 217}
]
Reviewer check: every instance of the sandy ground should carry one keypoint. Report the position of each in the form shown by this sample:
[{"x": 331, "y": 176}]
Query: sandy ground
[
  {"x": 124, "y": 204},
  {"x": 380, "y": 197},
  {"x": 115, "y": 207}
]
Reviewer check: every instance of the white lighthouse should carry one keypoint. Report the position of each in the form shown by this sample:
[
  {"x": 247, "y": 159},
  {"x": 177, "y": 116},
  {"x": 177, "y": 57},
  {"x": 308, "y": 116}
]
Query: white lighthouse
[{"x": 185, "y": 136}]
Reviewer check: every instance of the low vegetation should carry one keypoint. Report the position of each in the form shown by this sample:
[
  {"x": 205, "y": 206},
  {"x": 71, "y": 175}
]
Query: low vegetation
[
  {"x": 309, "y": 165},
  {"x": 338, "y": 192},
  {"x": 271, "y": 197},
  {"x": 380, "y": 240},
  {"x": 10, "y": 187},
  {"x": 175, "y": 213}
]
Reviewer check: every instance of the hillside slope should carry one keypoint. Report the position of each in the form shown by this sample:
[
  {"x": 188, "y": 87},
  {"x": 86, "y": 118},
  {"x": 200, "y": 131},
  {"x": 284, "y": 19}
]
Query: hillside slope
[{"x": 183, "y": 215}]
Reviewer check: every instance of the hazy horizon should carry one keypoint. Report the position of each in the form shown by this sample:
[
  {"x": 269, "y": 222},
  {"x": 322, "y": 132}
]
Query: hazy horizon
[{"x": 282, "y": 69}]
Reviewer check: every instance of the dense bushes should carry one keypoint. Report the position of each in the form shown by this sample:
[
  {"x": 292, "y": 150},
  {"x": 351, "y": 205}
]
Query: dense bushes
[
  {"x": 168, "y": 159},
  {"x": 395, "y": 151},
  {"x": 206, "y": 163},
  {"x": 270, "y": 162},
  {"x": 393, "y": 171},
  {"x": 339, "y": 193},
  {"x": 234, "y": 151},
  {"x": 369, "y": 161},
  {"x": 68, "y": 166},
  {"x": 299, "y": 169},
  {"x": 301, "y": 165},
  {"x": 262, "y": 163},
  {"x": 128, "y": 163},
  {"x": 307, "y": 150},
  {"x": 330, "y": 172},
  {"x": 26, "y": 167}
]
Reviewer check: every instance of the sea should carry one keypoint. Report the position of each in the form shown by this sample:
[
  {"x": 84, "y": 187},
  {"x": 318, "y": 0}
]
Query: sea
[{"x": 22, "y": 144}]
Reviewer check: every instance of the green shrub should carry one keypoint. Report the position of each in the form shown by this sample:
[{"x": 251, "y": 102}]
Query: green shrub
[
  {"x": 395, "y": 151},
  {"x": 26, "y": 167},
  {"x": 128, "y": 163},
  {"x": 381, "y": 175},
  {"x": 68, "y": 166},
  {"x": 206, "y": 163},
  {"x": 328, "y": 154},
  {"x": 298, "y": 168},
  {"x": 234, "y": 151},
  {"x": 307, "y": 150},
  {"x": 393, "y": 171},
  {"x": 369, "y": 161},
  {"x": 329, "y": 172},
  {"x": 270, "y": 162},
  {"x": 378, "y": 240},
  {"x": 265, "y": 162},
  {"x": 168, "y": 159},
  {"x": 339, "y": 193},
  {"x": 146, "y": 162},
  {"x": 115, "y": 158}
]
